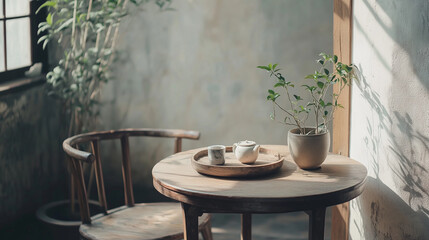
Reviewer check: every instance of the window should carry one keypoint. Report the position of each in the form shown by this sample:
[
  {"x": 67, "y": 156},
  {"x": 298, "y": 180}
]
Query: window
[{"x": 18, "y": 38}]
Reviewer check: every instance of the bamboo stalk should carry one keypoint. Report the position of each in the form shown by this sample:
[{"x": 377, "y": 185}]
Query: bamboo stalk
[
  {"x": 85, "y": 33},
  {"x": 73, "y": 37}
]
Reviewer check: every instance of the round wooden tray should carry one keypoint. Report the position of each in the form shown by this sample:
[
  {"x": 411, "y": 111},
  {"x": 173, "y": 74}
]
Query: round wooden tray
[{"x": 268, "y": 161}]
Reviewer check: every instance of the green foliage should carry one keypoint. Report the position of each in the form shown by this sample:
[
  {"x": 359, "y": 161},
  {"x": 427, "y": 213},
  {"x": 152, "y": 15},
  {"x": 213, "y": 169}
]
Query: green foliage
[
  {"x": 86, "y": 32},
  {"x": 322, "y": 81}
]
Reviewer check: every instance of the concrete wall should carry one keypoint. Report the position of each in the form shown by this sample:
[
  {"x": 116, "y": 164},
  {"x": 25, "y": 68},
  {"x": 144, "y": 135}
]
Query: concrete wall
[
  {"x": 195, "y": 68},
  {"x": 32, "y": 168},
  {"x": 390, "y": 118}
]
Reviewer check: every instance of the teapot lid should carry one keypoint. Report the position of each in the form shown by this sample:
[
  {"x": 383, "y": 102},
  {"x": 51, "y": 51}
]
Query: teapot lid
[{"x": 246, "y": 143}]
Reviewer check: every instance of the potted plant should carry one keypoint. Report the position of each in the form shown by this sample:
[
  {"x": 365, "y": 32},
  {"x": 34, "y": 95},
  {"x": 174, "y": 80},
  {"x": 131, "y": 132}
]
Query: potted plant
[
  {"x": 86, "y": 33},
  {"x": 309, "y": 145}
]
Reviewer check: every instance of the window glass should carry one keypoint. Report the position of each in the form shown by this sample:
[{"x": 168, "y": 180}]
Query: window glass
[
  {"x": 2, "y": 67},
  {"x": 18, "y": 43},
  {"x": 17, "y": 8},
  {"x": 1, "y": 9}
]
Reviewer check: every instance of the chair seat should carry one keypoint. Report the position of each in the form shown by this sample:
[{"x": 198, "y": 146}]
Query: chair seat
[{"x": 143, "y": 221}]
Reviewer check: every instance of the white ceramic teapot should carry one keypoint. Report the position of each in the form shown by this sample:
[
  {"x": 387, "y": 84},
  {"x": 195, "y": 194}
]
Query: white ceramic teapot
[{"x": 246, "y": 151}]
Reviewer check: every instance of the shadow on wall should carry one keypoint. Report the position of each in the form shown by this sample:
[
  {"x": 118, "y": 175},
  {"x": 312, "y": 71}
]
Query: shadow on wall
[
  {"x": 404, "y": 214},
  {"x": 394, "y": 204},
  {"x": 405, "y": 28}
]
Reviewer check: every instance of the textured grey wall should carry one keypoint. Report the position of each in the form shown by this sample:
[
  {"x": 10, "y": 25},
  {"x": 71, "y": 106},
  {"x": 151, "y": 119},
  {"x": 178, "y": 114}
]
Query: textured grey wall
[
  {"x": 390, "y": 119},
  {"x": 32, "y": 168},
  {"x": 195, "y": 68}
]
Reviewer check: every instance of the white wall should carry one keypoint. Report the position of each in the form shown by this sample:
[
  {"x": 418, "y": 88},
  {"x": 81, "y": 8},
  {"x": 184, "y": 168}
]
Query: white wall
[{"x": 390, "y": 118}]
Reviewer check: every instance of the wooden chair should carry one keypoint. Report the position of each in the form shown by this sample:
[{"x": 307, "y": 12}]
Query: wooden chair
[{"x": 131, "y": 221}]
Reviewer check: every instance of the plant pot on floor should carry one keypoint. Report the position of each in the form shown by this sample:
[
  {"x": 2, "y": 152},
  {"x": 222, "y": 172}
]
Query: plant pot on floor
[
  {"x": 308, "y": 150},
  {"x": 60, "y": 222}
]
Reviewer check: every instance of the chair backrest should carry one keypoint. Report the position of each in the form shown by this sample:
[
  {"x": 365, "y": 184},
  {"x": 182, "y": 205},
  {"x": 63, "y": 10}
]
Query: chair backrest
[{"x": 77, "y": 157}]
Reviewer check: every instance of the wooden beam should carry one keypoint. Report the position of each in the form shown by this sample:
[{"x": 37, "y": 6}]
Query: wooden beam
[{"x": 342, "y": 39}]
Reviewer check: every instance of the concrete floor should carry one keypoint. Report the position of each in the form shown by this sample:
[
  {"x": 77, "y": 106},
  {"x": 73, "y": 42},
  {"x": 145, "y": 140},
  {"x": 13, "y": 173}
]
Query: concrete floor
[{"x": 286, "y": 226}]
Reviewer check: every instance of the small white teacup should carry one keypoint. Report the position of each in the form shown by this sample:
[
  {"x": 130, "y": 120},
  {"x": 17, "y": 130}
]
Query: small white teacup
[{"x": 216, "y": 154}]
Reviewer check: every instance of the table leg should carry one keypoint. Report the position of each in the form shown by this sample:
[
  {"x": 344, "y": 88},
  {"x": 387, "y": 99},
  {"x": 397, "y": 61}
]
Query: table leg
[
  {"x": 190, "y": 220},
  {"x": 317, "y": 224},
  {"x": 246, "y": 226}
]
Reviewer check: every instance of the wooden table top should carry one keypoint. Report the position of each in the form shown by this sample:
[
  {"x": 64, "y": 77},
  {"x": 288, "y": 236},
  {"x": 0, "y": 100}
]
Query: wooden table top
[{"x": 339, "y": 180}]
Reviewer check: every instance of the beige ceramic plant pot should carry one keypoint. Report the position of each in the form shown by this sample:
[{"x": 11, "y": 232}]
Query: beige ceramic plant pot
[{"x": 308, "y": 151}]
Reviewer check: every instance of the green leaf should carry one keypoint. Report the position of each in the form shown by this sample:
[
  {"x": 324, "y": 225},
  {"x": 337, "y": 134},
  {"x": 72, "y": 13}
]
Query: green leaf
[
  {"x": 264, "y": 67},
  {"x": 326, "y": 113},
  {"x": 311, "y": 76},
  {"x": 320, "y": 85},
  {"x": 322, "y": 103},
  {"x": 45, "y": 44},
  {"x": 81, "y": 17},
  {"x": 43, "y": 28},
  {"x": 309, "y": 88},
  {"x": 65, "y": 24},
  {"x": 42, "y": 38},
  {"x": 273, "y": 96},
  {"x": 73, "y": 87},
  {"x": 321, "y": 61},
  {"x": 326, "y": 71},
  {"x": 46, "y": 4},
  {"x": 270, "y": 66},
  {"x": 349, "y": 68},
  {"x": 297, "y": 97},
  {"x": 279, "y": 84},
  {"x": 324, "y": 55},
  {"x": 274, "y": 66},
  {"x": 335, "y": 59},
  {"x": 49, "y": 19},
  {"x": 271, "y": 91}
]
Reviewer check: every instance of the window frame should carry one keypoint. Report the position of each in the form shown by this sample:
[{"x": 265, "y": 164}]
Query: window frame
[{"x": 37, "y": 53}]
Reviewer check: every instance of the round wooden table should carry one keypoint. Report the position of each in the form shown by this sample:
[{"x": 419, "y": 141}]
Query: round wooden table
[{"x": 339, "y": 180}]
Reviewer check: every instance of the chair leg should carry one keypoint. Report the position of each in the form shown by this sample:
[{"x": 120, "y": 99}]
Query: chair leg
[{"x": 206, "y": 231}]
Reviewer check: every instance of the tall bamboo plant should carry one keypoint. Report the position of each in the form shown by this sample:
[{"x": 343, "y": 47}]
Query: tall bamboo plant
[{"x": 86, "y": 32}]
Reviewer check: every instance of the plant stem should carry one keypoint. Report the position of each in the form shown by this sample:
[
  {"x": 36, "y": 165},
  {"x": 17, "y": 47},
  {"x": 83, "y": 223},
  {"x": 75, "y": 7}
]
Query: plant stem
[{"x": 292, "y": 115}]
